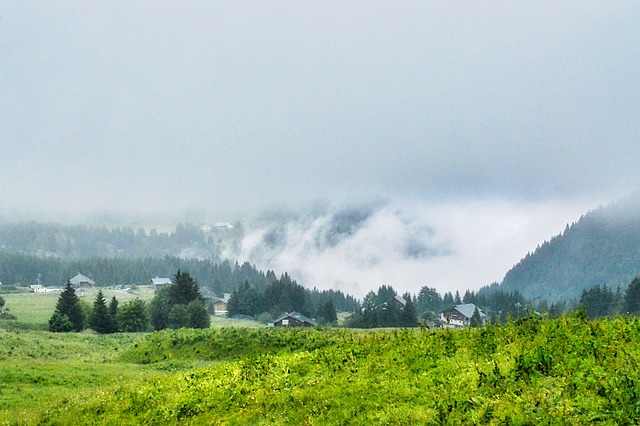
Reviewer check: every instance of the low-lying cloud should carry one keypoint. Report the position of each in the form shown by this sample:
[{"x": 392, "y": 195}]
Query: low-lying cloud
[{"x": 406, "y": 245}]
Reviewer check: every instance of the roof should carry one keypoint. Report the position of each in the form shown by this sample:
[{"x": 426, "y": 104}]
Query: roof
[
  {"x": 298, "y": 316},
  {"x": 467, "y": 310},
  {"x": 79, "y": 279},
  {"x": 160, "y": 281}
]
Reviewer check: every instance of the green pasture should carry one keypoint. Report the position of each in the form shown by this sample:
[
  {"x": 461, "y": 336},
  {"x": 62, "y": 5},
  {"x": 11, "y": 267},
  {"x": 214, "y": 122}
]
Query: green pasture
[
  {"x": 33, "y": 310},
  {"x": 566, "y": 371}
]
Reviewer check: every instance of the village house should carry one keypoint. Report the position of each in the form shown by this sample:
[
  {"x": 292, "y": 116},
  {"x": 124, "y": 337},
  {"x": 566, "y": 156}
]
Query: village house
[
  {"x": 81, "y": 281},
  {"x": 220, "y": 304},
  {"x": 157, "y": 283},
  {"x": 459, "y": 316},
  {"x": 294, "y": 319}
]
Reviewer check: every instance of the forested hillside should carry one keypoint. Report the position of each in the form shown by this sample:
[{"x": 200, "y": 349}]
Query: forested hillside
[
  {"x": 77, "y": 242},
  {"x": 603, "y": 247}
]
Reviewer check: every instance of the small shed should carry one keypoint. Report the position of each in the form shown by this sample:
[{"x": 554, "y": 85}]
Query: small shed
[
  {"x": 294, "y": 319},
  {"x": 157, "y": 283},
  {"x": 80, "y": 281}
]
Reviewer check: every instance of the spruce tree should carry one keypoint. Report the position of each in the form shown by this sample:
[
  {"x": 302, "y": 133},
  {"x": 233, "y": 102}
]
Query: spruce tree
[
  {"x": 632, "y": 297},
  {"x": 101, "y": 321},
  {"x": 184, "y": 289},
  {"x": 409, "y": 316},
  {"x": 69, "y": 305},
  {"x": 113, "y": 313}
]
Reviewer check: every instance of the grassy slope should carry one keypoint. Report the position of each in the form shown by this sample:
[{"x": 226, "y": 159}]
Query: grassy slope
[{"x": 561, "y": 371}]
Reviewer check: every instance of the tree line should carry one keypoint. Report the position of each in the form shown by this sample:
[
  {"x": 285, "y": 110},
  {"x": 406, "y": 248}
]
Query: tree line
[
  {"x": 176, "y": 306},
  {"x": 285, "y": 295}
]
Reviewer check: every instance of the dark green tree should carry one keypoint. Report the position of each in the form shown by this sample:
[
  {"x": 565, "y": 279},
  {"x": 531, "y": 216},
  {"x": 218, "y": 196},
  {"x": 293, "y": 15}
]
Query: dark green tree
[
  {"x": 59, "y": 323},
  {"x": 113, "y": 313},
  {"x": 169, "y": 307},
  {"x": 133, "y": 316},
  {"x": 1, "y": 303},
  {"x": 198, "y": 315},
  {"x": 184, "y": 289},
  {"x": 179, "y": 317},
  {"x": 429, "y": 300},
  {"x": 101, "y": 321},
  {"x": 160, "y": 307},
  {"x": 476, "y": 320},
  {"x": 409, "y": 316},
  {"x": 68, "y": 304},
  {"x": 632, "y": 298},
  {"x": 326, "y": 313}
]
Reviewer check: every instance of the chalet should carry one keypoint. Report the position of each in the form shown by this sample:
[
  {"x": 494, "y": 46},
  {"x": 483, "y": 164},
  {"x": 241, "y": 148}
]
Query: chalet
[
  {"x": 157, "y": 283},
  {"x": 396, "y": 301},
  {"x": 36, "y": 288},
  {"x": 294, "y": 319},
  {"x": 459, "y": 316},
  {"x": 220, "y": 304},
  {"x": 80, "y": 281}
]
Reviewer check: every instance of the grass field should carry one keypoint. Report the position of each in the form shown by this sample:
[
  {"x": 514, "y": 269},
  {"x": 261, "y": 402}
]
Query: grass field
[
  {"x": 561, "y": 371},
  {"x": 533, "y": 371}
]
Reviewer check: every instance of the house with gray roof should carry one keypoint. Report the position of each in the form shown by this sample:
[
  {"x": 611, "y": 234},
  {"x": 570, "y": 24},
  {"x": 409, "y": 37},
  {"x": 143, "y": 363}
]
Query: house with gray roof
[
  {"x": 81, "y": 281},
  {"x": 459, "y": 316},
  {"x": 157, "y": 282},
  {"x": 294, "y": 319}
]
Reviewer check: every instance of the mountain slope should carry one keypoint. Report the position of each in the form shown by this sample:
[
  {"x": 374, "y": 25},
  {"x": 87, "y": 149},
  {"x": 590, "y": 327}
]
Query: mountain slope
[{"x": 603, "y": 247}]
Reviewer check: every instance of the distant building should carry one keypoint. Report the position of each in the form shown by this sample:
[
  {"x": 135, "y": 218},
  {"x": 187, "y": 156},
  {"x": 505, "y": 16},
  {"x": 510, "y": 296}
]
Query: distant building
[
  {"x": 80, "y": 281},
  {"x": 220, "y": 304},
  {"x": 396, "y": 301},
  {"x": 157, "y": 283},
  {"x": 294, "y": 319},
  {"x": 222, "y": 226},
  {"x": 37, "y": 288},
  {"x": 459, "y": 316}
]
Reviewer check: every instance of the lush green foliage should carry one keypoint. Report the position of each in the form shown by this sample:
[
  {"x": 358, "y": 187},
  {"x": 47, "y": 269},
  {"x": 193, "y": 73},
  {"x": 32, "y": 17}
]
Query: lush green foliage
[
  {"x": 533, "y": 371},
  {"x": 179, "y": 305},
  {"x": 133, "y": 316}
]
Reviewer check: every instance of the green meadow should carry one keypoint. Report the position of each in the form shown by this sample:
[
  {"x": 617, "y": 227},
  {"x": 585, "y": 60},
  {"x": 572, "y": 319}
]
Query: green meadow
[{"x": 533, "y": 371}]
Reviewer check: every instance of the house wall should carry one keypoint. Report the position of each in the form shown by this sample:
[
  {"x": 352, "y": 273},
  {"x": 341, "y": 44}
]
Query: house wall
[{"x": 219, "y": 308}]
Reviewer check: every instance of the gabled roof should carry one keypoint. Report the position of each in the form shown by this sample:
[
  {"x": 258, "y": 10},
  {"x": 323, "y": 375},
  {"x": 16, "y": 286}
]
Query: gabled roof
[
  {"x": 79, "y": 279},
  {"x": 160, "y": 281},
  {"x": 397, "y": 299},
  {"x": 467, "y": 310},
  {"x": 298, "y": 316},
  {"x": 221, "y": 299}
]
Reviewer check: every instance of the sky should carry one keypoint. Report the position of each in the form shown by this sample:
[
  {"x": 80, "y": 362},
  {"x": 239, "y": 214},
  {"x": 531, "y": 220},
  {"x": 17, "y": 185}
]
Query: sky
[{"x": 492, "y": 124}]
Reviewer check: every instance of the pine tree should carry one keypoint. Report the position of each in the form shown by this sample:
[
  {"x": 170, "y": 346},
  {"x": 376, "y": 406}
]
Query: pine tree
[
  {"x": 113, "y": 313},
  {"x": 101, "y": 321},
  {"x": 184, "y": 289},
  {"x": 409, "y": 316},
  {"x": 69, "y": 305},
  {"x": 632, "y": 297}
]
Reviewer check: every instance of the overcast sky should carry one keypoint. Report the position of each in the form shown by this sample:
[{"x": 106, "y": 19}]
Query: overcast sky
[{"x": 526, "y": 111}]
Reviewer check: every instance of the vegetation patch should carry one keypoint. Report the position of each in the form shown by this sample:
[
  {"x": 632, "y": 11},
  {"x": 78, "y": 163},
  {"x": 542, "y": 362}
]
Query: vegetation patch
[{"x": 533, "y": 371}]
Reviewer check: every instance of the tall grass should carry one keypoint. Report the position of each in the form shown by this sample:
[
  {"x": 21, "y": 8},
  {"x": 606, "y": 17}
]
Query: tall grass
[{"x": 562, "y": 371}]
